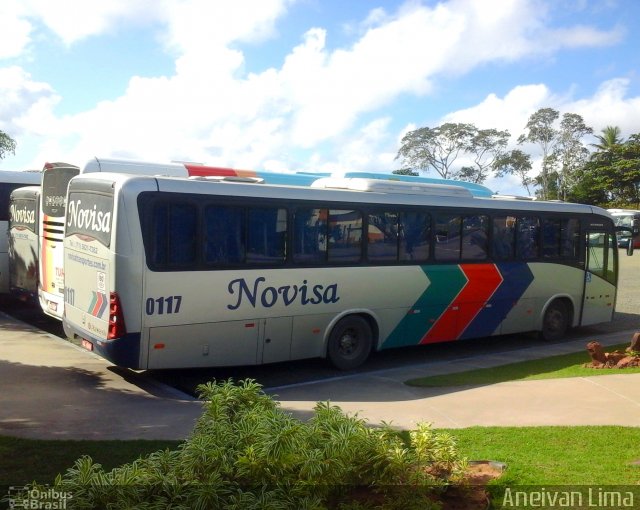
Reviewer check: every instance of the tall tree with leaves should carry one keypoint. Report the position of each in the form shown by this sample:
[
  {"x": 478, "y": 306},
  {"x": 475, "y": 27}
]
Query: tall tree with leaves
[
  {"x": 485, "y": 147},
  {"x": 7, "y": 144},
  {"x": 435, "y": 148},
  {"x": 540, "y": 131},
  {"x": 614, "y": 178},
  {"x": 516, "y": 163},
  {"x": 609, "y": 138},
  {"x": 569, "y": 151}
]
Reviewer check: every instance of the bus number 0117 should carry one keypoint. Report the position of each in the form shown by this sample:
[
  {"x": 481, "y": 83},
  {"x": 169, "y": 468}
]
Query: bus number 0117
[{"x": 163, "y": 305}]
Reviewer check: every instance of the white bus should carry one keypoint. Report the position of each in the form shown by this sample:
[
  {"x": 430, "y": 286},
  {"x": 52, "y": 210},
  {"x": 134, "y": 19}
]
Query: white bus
[
  {"x": 24, "y": 218},
  {"x": 628, "y": 219},
  {"x": 55, "y": 180},
  {"x": 56, "y": 177},
  {"x": 9, "y": 181},
  {"x": 174, "y": 273},
  {"x": 53, "y": 199}
]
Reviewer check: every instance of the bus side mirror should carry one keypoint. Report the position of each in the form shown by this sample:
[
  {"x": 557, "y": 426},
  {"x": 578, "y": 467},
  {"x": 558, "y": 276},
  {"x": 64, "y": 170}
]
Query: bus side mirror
[{"x": 630, "y": 247}]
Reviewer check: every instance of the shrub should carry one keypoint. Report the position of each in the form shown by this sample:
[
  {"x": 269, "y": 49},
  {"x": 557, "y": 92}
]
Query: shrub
[{"x": 247, "y": 453}]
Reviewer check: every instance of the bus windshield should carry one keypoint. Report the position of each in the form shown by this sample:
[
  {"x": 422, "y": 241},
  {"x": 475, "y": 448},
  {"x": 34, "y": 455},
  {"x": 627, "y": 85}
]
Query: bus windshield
[{"x": 54, "y": 190}]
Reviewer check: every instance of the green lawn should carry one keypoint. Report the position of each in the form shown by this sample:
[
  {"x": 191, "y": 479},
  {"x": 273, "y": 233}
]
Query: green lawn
[
  {"x": 564, "y": 365},
  {"x": 557, "y": 455},
  {"x": 25, "y": 460},
  {"x": 534, "y": 455}
]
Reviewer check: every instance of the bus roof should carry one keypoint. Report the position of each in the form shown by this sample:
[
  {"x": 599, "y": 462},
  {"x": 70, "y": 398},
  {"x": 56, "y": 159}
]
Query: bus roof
[
  {"x": 26, "y": 177},
  {"x": 26, "y": 192},
  {"x": 323, "y": 195}
]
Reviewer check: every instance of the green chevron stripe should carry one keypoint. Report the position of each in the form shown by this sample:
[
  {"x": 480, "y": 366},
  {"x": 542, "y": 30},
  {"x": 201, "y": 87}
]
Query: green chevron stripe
[{"x": 445, "y": 283}]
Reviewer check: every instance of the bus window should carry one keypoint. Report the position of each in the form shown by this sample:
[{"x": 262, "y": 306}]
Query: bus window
[
  {"x": 224, "y": 234},
  {"x": 551, "y": 238},
  {"x": 415, "y": 230},
  {"x": 345, "y": 236},
  {"x": 310, "y": 235},
  {"x": 569, "y": 237},
  {"x": 527, "y": 237},
  {"x": 175, "y": 234},
  {"x": 503, "y": 242},
  {"x": 447, "y": 237},
  {"x": 267, "y": 236},
  {"x": 382, "y": 238},
  {"x": 474, "y": 237}
]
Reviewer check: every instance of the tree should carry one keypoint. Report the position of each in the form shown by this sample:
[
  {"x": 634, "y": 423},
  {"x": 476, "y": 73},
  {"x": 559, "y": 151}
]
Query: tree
[
  {"x": 613, "y": 179},
  {"x": 7, "y": 144},
  {"x": 516, "y": 163},
  {"x": 540, "y": 131},
  {"x": 569, "y": 151},
  {"x": 436, "y": 148},
  {"x": 486, "y": 146},
  {"x": 610, "y": 138},
  {"x": 406, "y": 171}
]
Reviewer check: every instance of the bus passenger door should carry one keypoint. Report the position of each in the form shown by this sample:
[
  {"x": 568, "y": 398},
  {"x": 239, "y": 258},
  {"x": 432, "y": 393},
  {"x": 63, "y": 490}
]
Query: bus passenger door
[
  {"x": 276, "y": 339},
  {"x": 601, "y": 260}
]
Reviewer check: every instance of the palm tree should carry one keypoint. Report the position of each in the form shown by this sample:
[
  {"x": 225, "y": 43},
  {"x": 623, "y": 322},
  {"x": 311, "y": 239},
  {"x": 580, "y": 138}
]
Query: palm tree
[{"x": 609, "y": 138}]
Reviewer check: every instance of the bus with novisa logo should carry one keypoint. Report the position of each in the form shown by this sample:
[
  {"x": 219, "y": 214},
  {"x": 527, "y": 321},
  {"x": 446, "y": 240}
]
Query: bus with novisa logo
[{"x": 166, "y": 273}]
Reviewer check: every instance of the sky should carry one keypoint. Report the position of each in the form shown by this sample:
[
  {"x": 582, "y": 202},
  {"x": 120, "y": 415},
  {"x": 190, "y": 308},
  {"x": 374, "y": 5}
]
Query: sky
[{"x": 288, "y": 85}]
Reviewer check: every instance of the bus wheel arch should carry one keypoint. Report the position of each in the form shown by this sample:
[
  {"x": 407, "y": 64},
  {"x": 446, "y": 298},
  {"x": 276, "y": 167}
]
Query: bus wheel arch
[
  {"x": 557, "y": 319},
  {"x": 351, "y": 339}
]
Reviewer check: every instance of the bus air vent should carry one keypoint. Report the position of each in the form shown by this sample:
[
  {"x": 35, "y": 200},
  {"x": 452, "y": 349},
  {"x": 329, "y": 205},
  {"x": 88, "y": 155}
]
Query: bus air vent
[{"x": 385, "y": 186}]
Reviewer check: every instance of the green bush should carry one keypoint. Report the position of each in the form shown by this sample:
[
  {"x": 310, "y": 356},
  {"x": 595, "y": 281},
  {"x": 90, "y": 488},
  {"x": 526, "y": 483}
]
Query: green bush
[{"x": 247, "y": 453}]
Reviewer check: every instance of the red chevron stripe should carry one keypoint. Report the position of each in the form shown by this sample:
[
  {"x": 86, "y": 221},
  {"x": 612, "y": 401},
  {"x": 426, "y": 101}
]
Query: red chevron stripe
[
  {"x": 482, "y": 282},
  {"x": 98, "y": 305},
  {"x": 484, "y": 279}
]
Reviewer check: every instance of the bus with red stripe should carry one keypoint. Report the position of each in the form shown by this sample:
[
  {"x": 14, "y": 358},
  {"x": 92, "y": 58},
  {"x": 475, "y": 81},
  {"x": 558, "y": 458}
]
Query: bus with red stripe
[
  {"x": 56, "y": 176},
  {"x": 174, "y": 273}
]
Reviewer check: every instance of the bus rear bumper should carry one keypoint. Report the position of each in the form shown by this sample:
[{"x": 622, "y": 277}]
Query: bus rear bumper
[{"x": 123, "y": 352}]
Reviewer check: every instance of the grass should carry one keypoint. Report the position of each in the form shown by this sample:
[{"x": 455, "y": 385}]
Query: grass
[
  {"x": 25, "y": 460},
  {"x": 534, "y": 455},
  {"x": 553, "y": 367},
  {"x": 557, "y": 455}
]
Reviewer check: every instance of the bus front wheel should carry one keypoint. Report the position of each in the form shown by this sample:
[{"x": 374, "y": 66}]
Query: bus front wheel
[
  {"x": 350, "y": 342},
  {"x": 555, "y": 322}
]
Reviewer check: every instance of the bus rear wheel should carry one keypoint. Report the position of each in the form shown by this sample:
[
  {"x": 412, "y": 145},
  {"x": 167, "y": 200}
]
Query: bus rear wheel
[
  {"x": 350, "y": 342},
  {"x": 555, "y": 322}
]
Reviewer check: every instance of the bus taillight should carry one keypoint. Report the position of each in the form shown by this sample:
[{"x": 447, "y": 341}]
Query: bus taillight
[{"x": 117, "y": 327}]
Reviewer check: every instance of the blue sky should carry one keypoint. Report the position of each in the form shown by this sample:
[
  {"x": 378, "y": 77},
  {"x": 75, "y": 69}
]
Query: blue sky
[{"x": 302, "y": 84}]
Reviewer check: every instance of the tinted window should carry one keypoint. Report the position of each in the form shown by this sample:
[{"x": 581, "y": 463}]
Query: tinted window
[
  {"x": 551, "y": 229},
  {"x": 90, "y": 214},
  {"x": 474, "y": 237},
  {"x": 447, "y": 236},
  {"x": 345, "y": 236},
  {"x": 503, "y": 241},
  {"x": 267, "y": 233},
  {"x": 415, "y": 236},
  {"x": 310, "y": 235},
  {"x": 23, "y": 212},
  {"x": 527, "y": 228},
  {"x": 224, "y": 235},
  {"x": 382, "y": 236},
  {"x": 570, "y": 237},
  {"x": 54, "y": 190}
]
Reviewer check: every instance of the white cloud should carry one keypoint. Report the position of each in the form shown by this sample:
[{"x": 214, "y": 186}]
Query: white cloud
[
  {"x": 73, "y": 20},
  {"x": 15, "y": 29},
  {"x": 212, "y": 110}
]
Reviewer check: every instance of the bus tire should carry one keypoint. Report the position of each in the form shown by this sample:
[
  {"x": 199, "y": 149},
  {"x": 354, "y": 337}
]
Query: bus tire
[
  {"x": 555, "y": 322},
  {"x": 350, "y": 342}
]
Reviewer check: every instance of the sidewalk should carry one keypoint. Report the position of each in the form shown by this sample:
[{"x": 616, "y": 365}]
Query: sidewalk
[
  {"x": 52, "y": 389},
  {"x": 382, "y": 396}
]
